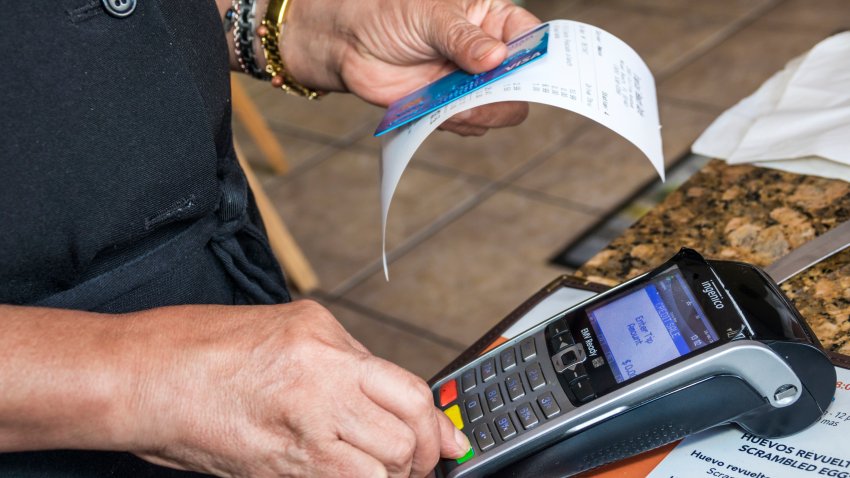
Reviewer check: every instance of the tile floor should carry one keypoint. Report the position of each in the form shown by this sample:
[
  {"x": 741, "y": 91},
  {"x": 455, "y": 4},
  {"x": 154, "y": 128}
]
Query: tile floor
[{"x": 475, "y": 221}]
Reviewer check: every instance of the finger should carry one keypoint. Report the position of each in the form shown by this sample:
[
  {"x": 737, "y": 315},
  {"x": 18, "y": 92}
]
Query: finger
[
  {"x": 408, "y": 398},
  {"x": 495, "y": 115},
  {"x": 453, "y": 442},
  {"x": 344, "y": 460},
  {"x": 507, "y": 21},
  {"x": 448, "y": 31},
  {"x": 462, "y": 129},
  {"x": 381, "y": 435}
]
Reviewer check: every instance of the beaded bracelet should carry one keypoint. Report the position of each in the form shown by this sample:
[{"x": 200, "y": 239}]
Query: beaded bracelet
[
  {"x": 269, "y": 33},
  {"x": 243, "y": 38}
]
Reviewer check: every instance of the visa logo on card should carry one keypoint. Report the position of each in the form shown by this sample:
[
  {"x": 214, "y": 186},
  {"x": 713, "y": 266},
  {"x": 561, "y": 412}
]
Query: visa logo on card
[{"x": 523, "y": 50}]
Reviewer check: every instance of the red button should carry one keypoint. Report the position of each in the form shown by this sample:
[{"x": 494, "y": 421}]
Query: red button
[{"x": 448, "y": 392}]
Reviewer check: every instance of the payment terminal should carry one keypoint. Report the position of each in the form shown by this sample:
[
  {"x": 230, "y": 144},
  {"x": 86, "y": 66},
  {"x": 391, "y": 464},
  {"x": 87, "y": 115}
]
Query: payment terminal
[{"x": 691, "y": 345}]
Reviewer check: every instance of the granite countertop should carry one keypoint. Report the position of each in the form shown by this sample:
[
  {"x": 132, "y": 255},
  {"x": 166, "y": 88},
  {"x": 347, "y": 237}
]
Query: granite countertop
[{"x": 756, "y": 215}]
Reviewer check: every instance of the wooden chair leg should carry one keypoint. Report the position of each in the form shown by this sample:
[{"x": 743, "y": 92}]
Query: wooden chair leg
[
  {"x": 292, "y": 259},
  {"x": 249, "y": 115}
]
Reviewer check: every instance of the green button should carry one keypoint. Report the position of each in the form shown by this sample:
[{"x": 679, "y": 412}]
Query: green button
[{"x": 466, "y": 457}]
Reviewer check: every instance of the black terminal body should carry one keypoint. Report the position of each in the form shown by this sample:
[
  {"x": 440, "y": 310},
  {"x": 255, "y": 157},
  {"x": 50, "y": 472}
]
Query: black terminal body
[{"x": 688, "y": 346}]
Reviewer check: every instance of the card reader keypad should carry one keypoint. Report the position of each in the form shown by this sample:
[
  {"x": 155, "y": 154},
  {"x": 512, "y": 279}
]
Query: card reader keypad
[
  {"x": 536, "y": 390},
  {"x": 509, "y": 393}
]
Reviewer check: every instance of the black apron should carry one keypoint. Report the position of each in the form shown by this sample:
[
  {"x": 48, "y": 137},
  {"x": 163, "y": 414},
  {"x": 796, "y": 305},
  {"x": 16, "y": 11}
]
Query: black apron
[{"x": 120, "y": 186}]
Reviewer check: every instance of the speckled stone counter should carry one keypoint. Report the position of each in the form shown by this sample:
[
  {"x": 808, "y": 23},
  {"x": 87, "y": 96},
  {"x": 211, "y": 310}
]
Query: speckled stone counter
[{"x": 749, "y": 214}]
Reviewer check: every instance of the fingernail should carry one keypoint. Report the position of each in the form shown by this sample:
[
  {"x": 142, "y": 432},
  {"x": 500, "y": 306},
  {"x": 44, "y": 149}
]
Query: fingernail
[
  {"x": 484, "y": 48},
  {"x": 463, "y": 115},
  {"x": 462, "y": 441}
]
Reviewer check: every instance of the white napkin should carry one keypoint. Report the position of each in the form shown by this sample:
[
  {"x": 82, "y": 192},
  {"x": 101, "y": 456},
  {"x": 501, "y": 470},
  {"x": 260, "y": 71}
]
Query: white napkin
[{"x": 798, "y": 121}]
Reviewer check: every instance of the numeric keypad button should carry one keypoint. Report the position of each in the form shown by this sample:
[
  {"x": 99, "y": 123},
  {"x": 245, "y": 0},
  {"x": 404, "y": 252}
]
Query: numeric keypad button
[
  {"x": 483, "y": 437},
  {"x": 527, "y": 349},
  {"x": 505, "y": 427},
  {"x": 508, "y": 359},
  {"x": 488, "y": 370},
  {"x": 467, "y": 380},
  {"x": 513, "y": 384},
  {"x": 474, "y": 411},
  {"x": 526, "y": 415},
  {"x": 548, "y": 405},
  {"x": 494, "y": 397},
  {"x": 535, "y": 376}
]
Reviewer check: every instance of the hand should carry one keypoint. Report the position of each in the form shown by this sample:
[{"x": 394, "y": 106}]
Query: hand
[
  {"x": 382, "y": 50},
  {"x": 279, "y": 391}
]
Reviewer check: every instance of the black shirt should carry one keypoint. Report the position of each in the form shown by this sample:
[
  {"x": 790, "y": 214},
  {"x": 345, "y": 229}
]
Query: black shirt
[{"x": 115, "y": 139}]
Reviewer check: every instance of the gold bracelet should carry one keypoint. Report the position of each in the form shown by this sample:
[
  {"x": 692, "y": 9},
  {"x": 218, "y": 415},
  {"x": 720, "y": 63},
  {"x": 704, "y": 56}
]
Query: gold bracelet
[{"x": 269, "y": 33}]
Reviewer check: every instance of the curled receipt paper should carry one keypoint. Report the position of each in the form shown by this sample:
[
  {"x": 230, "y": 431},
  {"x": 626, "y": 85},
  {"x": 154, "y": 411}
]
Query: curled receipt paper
[{"x": 586, "y": 70}]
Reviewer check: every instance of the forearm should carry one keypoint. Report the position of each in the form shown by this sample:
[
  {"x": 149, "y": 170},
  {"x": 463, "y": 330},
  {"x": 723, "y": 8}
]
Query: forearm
[
  {"x": 64, "y": 380},
  {"x": 226, "y": 390}
]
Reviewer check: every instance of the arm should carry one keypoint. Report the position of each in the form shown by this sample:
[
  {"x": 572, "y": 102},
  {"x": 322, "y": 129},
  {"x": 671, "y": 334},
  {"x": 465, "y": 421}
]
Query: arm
[
  {"x": 62, "y": 382},
  {"x": 381, "y": 50},
  {"x": 232, "y": 391}
]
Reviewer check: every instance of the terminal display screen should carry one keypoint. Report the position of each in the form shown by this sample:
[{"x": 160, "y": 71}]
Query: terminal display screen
[{"x": 651, "y": 326}]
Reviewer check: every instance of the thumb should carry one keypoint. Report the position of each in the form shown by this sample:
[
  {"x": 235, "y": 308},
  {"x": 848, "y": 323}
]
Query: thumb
[
  {"x": 453, "y": 443},
  {"x": 464, "y": 43}
]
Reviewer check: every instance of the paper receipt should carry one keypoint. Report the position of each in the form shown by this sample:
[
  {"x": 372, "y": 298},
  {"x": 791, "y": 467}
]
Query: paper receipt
[{"x": 587, "y": 71}]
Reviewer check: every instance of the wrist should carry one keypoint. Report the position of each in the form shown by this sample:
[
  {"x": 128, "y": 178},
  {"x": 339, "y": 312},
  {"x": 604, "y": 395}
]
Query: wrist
[
  {"x": 176, "y": 355},
  {"x": 156, "y": 342},
  {"x": 312, "y": 43},
  {"x": 307, "y": 41}
]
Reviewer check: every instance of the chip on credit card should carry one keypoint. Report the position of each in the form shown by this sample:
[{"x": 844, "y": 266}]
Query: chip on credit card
[{"x": 522, "y": 51}]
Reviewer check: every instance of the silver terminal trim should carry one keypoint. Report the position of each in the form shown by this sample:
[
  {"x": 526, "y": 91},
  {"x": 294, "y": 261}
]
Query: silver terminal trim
[{"x": 752, "y": 361}]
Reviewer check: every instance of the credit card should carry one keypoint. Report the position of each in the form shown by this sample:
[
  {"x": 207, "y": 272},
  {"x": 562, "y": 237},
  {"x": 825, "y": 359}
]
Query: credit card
[{"x": 522, "y": 51}]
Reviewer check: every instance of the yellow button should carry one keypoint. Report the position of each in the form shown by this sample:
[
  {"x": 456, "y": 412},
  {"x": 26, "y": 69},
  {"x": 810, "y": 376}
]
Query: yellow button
[{"x": 453, "y": 413}]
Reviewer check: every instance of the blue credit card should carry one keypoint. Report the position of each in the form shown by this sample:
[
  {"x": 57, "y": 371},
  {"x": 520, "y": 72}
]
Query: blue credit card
[{"x": 521, "y": 51}]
